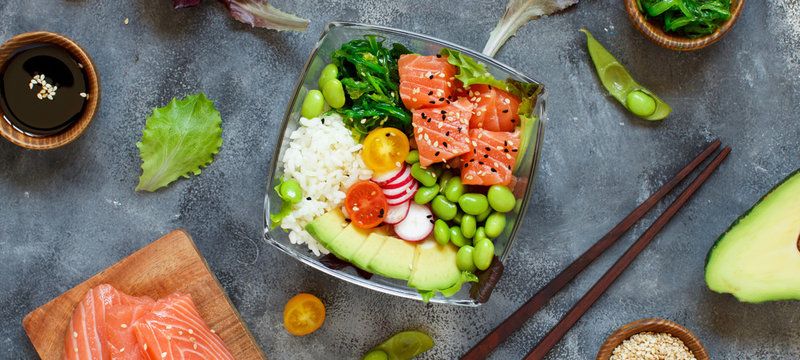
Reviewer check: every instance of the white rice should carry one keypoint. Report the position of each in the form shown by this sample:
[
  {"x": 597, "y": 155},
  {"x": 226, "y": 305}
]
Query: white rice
[{"x": 325, "y": 160}]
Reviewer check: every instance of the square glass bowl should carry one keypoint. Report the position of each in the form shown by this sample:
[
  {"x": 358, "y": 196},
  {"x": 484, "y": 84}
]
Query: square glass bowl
[{"x": 336, "y": 34}]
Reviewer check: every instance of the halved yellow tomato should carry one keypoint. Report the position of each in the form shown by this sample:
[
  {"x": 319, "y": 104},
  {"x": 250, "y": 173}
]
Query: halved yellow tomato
[
  {"x": 385, "y": 149},
  {"x": 303, "y": 314}
]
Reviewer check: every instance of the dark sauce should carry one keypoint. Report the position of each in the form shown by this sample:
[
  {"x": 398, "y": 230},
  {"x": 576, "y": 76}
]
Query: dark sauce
[{"x": 28, "y": 104}]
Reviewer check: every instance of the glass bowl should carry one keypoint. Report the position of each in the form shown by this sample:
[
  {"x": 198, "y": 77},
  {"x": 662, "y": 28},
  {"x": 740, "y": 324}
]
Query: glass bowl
[{"x": 334, "y": 35}]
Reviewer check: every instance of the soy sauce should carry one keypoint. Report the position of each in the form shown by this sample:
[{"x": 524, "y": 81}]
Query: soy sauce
[{"x": 42, "y": 90}]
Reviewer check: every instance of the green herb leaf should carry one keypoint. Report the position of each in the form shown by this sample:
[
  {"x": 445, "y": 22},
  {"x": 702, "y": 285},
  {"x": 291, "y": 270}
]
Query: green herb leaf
[
  {"x": 179, "y": 139},
  {"x": 469, "y": 71}
]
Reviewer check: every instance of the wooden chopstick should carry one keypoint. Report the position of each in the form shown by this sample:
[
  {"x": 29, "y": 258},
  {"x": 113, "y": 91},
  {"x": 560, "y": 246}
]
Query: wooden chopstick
[
  {"x": 519, "y": 317},
  {"x": 555, "y": 335}
]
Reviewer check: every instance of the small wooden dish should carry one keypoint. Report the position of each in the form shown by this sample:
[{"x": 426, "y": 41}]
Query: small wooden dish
[
  {"x": 674, "y": 41},
  {"x": 653, "y": 325},
  {"x": 20, "y": 138}
]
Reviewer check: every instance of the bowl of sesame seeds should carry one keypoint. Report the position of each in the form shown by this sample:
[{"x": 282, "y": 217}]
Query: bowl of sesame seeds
[
  {"x": 49, "y": 90},
  {"x": 652, "y": 339}
]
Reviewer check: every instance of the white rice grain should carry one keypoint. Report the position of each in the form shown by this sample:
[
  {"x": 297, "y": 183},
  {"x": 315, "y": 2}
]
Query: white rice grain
[{"x": 325, "y": 160}]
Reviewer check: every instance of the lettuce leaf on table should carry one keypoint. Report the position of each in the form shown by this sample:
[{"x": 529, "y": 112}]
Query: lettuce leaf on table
[
  {"x": 256, "y": 13},
  {"x": 518, "y": 13},
  {"x": 179, "y": 139}
]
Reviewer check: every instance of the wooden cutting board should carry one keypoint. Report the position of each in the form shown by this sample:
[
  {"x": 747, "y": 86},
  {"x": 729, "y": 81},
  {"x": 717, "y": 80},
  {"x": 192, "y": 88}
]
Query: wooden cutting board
[{"x": 171, "y": 263}]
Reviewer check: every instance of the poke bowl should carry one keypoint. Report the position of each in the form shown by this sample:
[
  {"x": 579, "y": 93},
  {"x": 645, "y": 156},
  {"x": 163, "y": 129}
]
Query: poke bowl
[{"x": 403, "y": 259}]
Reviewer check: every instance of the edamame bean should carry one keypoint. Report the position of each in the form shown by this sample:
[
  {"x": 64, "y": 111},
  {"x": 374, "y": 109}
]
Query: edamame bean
[
  {"x": 464, "y": 259},
  {"x": 482, "y": 217},
  {"x": 480, "y": 233},
  {"x": 313, "y": 104},
  {"x": 501, "y": 198},
  {"x": 473, "y": 204},
  {"x": 468, "y": 225},
  {"x": 483, "y": 254},
  {"x": 640, "y": 104},
  {"x": 329, "y": 72},
  {"x": 413, "y": 157},
  {"x": 457, "y": 218},
  {"x": 457, "y": 238},
  {"x": 444, "y": 178},
  {"x": 495, "y": 224},
  {"x": 376, "y": 355},
  {"x": 425, "y": 194},
  {"x": 334, "y": 93},
  {"x": 441, "y": 232},
  {"x": 443, "y": 209},
  {"x": 290, "y": 191},
  {"x": 424, "y": 176},
  {"x": 454, "y": 189}
]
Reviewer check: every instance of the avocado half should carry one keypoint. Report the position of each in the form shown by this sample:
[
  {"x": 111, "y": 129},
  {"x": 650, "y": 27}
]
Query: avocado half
[{"x": 758, "y": 258}]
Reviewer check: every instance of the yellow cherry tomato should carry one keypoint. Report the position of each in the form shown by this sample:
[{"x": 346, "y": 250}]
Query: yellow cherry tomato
[
  {"x": 385, "y": 149},
  {"x": 303, "y": 314}
]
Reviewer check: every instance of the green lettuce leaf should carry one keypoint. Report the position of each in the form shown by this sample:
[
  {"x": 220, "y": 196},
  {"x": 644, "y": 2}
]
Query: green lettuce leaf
[
  {"x": 469, "y": 71},
  {"x": 466, "y": 276},
  {"x": 179, "y": 139}
]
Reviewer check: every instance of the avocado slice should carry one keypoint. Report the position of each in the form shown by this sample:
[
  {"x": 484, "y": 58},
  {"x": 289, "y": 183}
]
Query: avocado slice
[
  {"x": 325, "y": 228},
  {"x": 434, "y": 266},
  {"x": 348, "y": 241},
  {"x": 368, "y": 250},
  {"x": 758, "y": 258},
  {"x": 394, "y": 259}
]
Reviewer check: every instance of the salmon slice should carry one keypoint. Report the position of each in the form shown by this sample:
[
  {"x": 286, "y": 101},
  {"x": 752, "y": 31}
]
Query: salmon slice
[
  {"x": 87, "y": 337},
  {"x": 491, "y": 158},
  {"x": 425, "y": 81},
  {"x": 175, "y": 330},
  {"x": 442, "y": 133},
  {"x": 495, "y": 109},
  {"x": 122, "y": 343}
]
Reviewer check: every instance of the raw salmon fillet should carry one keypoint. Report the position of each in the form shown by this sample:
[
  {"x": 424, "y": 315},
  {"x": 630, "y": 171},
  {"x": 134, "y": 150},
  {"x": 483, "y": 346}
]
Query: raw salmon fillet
[
  {"x": 491, "y": 159},
  {"x": 87, "y": 337},
  {"x": 442, "y": 132},
  {"x": 495, "y": 109},
  {"x": 425, "y": 81},
  {"x": 175, "y": 330},
  {"x": 109, "y": 324}
]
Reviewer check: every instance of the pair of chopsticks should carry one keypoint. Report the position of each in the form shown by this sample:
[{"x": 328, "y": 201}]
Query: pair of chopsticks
[{"x": 519, "y": 317}]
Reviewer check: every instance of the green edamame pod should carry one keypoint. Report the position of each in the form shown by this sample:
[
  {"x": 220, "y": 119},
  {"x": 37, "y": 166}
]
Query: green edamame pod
[
  {"x": 443, "y": 209},
  {"x": 313, "y": 104},
  {"x": 464, "y": 259},
  {"x": 482, "y": 216},
  {"x": 468, "y": 226},
  {"x": 457, "y": 238},
  {"x": 402, "y": 346},
  {"x": 454, "y": 189},
  {"x": 441, "y": 232},
  {"x": 425, "y": 176},
  {"x": 620, "y": 84},
  {"x": 329, "y": 72},
  {"x": 334, "y": 93},
  {"x": 413, "y": 157},
  {"x": 483, "y": 254},
  {"x": 425, "y": 194},
  {"x": 495, "y": 224},
  {"x": 376, "y": 355}
]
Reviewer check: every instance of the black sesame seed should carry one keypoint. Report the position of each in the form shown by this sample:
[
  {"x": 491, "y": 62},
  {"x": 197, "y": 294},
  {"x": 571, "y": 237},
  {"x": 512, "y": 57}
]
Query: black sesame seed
[
  {"x": 444, "y": 143},
  {"x": 513, "y": 121},
  {"x": 381, "y": 212},
  {"x": 447, "y": 134},
  {"x": 434, "y": 102},
  {"x": 471, "y": 160},
  {"x": 444, "y": 117},
  {"x": 488, "y": 149},
  {"x": 509, "y": 167},
  {"x": 429, "y": 119},
  {"x": 494, "y": 170},
  {"x": 486, "y": 156},
  {"x": 388, "y": 134},
  {"x": 444, "y": 112},
  {"x": 430, "y": 77},
  {"x": 441, "y": 99},
  {"x": 447, "y": 101},
  {"x": 323, "y": 121},
  {"x": 432, "y": 222},
  {"x": 436, "y": 154},
  {"x": 348, "y": 220},
  {"x": 513, "y": 150},
  {"x": 474, "y": 151},
  {"x": 308, "y": 198},
  {"x": 459, "y": 130},
  {"x": 505, "y": 150},
  {"x": 430, "y": 92},
  {"x": 438, "y": 55},
  {"x": 423, "y": 115},
  {"x": 466, "y": 165},
  {"x": 505, "y": 142},
  {"x": 480, "y": 162},
  {"x": 429, "y": 216},
  {"x": 505, "y": 111}
]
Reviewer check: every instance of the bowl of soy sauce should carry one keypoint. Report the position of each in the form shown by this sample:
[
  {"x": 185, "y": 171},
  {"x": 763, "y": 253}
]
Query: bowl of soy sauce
[{"x": 49, "y": 90}]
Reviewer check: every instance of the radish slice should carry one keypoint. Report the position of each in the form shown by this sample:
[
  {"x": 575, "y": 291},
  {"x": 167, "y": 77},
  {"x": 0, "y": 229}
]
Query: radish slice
[
  {"x": 397, "y": 213},
  {"x": 403, "y": 178},
  {"x": 406, "y": 196},
  {"x": 383, "y": 178},
  {"x": 397, "y": 192},
  {"x": 417, "y": 225}
]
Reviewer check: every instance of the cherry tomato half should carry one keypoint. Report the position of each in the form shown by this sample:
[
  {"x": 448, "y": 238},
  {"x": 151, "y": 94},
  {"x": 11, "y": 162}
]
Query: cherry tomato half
[
  {"x": 385, "y": 149},
  {"x": 303, "y": 314},
  {"x": 366, "y": 204}
]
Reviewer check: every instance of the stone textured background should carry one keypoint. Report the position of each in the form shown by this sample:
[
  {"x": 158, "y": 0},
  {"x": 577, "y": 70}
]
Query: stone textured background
[{"x": 68, "y": 213}]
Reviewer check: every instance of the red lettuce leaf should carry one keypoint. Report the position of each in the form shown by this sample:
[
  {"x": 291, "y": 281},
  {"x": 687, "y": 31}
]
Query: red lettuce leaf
[
  {"x": 185, "y": 3},
  {"x": 256, "y": 13}
]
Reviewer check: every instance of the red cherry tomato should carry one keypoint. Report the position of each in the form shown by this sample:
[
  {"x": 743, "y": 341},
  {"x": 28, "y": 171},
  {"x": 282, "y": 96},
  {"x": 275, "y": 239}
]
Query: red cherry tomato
[{"x": 366, "y": 204}]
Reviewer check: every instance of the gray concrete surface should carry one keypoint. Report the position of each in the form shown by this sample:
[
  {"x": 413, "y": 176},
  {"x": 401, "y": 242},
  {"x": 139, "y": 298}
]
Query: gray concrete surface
[{"x": 68, "y": 213}]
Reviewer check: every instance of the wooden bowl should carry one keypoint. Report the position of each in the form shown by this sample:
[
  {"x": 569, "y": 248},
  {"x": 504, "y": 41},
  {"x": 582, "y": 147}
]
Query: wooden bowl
[
  {"x": 29, "y": 141},
  {"x": 654, "y": 325},
  {"x": 674, "y": 41}
]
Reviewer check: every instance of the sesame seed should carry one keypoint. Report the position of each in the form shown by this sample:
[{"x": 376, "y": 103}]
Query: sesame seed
[
  {"x": 430, "y": 77},
  {"x": 164, "y": 354},
  {"x": 436, "y": 154},
  {"x": 75, "y": 334},
  {"x": 432, "y": 102},
  {"x": 505, "y": 111},
  {"x": 124, "y": 326}
]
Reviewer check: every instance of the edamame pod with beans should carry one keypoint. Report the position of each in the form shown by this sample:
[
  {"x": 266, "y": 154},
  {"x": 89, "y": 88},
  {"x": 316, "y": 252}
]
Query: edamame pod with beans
[{"x": 618, "y": 81}]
